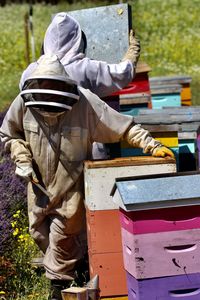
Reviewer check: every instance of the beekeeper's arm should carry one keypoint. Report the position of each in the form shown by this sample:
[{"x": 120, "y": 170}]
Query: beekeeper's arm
[
  {"x": 141, "y": 138},
  {"x": 113, "y": 127},
  {"x": 104, "y": 79},
  {"x": 12, "y": 135}
]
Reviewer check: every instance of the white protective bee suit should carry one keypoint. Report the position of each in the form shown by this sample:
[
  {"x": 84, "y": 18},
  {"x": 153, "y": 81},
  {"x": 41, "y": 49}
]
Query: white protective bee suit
[
  {"x": 52, "y": 147},
  {"x": 65, "y": 38}
]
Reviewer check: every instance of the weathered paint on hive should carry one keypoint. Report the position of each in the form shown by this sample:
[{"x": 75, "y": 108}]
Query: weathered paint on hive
[
  {"x": 160, "y": 220},
  {"x": 103, "y": 231},
  {"x": 100, "y": 177},
  {"x": 161, "y": 254},
  {"x": 185, "y": 286},
  {"x": 112, "y": 276}
]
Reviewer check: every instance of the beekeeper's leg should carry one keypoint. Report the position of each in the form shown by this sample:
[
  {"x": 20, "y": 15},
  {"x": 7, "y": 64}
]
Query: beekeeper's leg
[
  {"x": 64, "y": 251},
  {"x": 39, "y": 222}
]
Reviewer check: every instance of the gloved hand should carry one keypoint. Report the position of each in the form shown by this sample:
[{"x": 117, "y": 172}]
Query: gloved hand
[
  {"x": 162, "y": 151},
  {"x": 26, "y": 171},
  {"x": 133, "y": 52}
]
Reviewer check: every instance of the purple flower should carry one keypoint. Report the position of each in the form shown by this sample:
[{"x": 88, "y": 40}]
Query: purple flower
[{"x": 13, "y": 197}]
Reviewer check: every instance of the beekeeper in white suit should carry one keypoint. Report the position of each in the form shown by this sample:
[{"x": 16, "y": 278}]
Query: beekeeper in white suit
[
  {"x": 49, "y": 130},
  {"x": 65, "y": 38}
]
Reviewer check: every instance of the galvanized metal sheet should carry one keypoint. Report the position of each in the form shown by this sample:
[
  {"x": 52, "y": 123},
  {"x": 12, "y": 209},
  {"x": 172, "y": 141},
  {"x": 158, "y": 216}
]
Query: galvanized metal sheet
[
  {"x": 169, "y": 191},
  {"x": 106, "y": 29}
]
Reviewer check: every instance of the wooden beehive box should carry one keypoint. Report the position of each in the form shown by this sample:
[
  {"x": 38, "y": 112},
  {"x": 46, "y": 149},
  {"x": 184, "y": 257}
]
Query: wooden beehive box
[{"x": 103, "y": 224}]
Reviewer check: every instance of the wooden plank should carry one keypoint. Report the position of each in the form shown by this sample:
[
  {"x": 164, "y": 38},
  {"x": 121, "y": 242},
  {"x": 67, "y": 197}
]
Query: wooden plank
[
  {"x": 170, "y": 80},
  {"x": 161, "y": 127},
  {"x": 171, "y": 111},
  {"x": 127, "y": 99},
  {"x": 165, "y": 89},
  {"x": 128, "y": 161},
  {"x": 142, "y": 67},
  {"x": 166, "y": 119}
]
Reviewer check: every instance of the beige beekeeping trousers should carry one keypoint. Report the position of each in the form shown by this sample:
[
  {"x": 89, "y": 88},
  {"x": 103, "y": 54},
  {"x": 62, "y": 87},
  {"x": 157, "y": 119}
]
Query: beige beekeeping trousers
[{"x": 62, "y": 245}]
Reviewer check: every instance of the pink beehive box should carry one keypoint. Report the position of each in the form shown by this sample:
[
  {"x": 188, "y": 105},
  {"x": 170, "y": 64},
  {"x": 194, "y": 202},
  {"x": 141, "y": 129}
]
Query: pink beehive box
[
  {"x": 161, "y": 254},
  {"x": 161, "y": 220}
]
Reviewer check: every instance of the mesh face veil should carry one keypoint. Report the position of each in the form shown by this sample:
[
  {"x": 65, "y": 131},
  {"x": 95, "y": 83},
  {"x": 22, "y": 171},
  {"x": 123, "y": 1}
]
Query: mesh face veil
[{"x": 49, "y": 88}]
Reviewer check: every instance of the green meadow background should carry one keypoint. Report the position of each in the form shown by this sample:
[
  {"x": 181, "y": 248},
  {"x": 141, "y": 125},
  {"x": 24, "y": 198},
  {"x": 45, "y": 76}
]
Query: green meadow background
[{"x": 169, "y": 32}]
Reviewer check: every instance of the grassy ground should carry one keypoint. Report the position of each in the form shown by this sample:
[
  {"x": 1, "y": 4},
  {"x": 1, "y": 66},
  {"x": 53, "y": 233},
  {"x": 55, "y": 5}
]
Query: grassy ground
[
  {"x": 168, "y": 30},
  {"x": 170, "y": 36}
]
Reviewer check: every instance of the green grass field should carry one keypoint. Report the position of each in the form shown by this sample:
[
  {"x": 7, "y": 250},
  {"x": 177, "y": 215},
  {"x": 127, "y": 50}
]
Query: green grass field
[{"x": 168, "y": 30}]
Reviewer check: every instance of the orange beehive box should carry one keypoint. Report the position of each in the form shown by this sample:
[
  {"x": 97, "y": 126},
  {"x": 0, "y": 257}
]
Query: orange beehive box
[
  {"x": 112, "y": 275},
  {"x": 103, "y": 231}
]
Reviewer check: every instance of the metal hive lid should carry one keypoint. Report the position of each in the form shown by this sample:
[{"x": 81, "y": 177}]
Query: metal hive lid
[{"x": 157, "y": 191}]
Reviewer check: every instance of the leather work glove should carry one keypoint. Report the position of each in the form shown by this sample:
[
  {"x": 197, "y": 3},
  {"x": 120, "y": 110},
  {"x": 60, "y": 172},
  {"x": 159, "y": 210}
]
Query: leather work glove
[
  {"x": 162, "y": 151},
  {"x": 26, "y": 171},
  {"x": 133, "y": 52}
]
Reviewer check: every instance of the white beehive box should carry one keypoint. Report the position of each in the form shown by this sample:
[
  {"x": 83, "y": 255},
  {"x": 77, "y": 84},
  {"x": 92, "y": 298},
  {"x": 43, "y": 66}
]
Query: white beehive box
[{"x": 100, "y": 176}]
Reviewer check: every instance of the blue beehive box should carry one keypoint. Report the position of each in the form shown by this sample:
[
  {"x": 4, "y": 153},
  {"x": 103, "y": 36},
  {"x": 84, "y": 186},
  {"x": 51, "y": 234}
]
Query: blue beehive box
[
  {"x": 165, "y": 96},
  {"x": 130, "y": 104}
]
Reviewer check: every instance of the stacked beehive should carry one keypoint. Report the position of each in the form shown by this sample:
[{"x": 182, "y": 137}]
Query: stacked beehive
[
  {"x": 128, "y": 101},
  {"x": 170, "y": 81},
  {"x": 165, "y": 92},
  {"x": 160, "y": 223},
  {"x": 186, "y": 121},
  {"x": 165, "y": 96},
  {"x": 137, "y": 94},
  {"x": 103, "y": 226}
]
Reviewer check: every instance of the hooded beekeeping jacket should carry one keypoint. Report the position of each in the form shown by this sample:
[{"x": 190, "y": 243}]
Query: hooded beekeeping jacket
[
  {"x": 56, "y": 146},
  {"x": 64, "y": 38}
]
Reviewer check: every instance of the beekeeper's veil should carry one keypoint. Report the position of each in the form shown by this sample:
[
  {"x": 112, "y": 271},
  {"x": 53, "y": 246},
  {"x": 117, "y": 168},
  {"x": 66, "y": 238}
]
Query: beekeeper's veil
[{"x": 49, "y": 87}]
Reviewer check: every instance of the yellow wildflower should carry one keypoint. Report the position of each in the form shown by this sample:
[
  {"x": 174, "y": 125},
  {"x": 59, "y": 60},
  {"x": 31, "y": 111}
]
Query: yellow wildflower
[
  {"x": 16, "y": 215},
  {"x": 13, "y": 224},
  {"x": 16, "y": 231}
]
